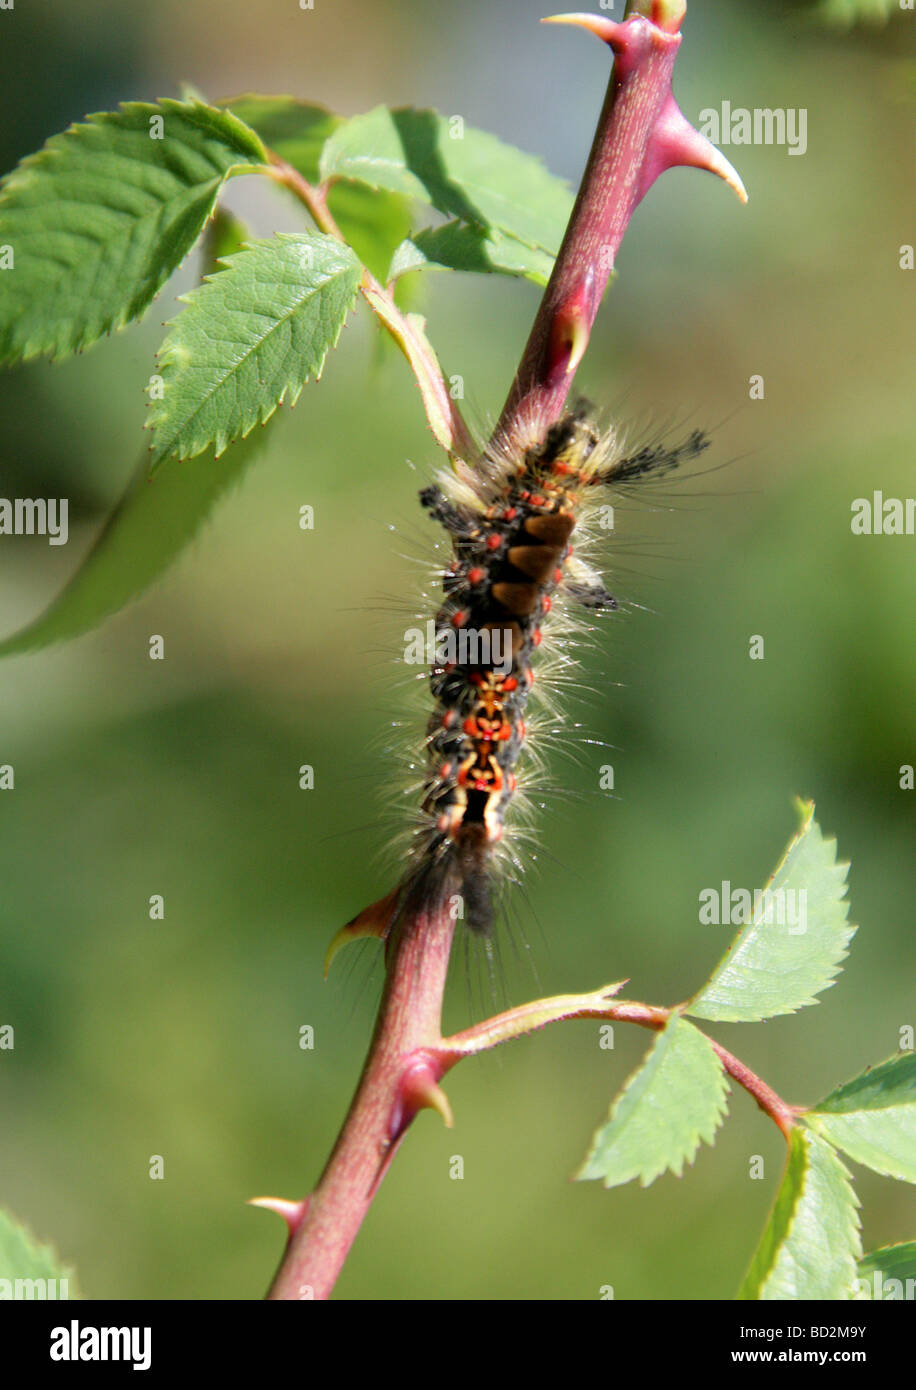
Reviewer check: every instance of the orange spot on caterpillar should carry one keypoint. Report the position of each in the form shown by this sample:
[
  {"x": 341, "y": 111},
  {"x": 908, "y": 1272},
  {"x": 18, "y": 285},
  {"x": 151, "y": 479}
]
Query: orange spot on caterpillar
[{"x": 476, "y": 576}]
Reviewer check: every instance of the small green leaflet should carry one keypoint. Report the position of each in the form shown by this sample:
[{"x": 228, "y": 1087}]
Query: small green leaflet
[
  {"x": 459, "y": 246},
  {"x": 873, "y": 1118},
  {"x": 224, "y": 235},
  {"x": 295, "y": 130},
  {"x": 673, "y": 1100},
  {"x": 149, "y": 527},
  {"x": 461, "y": 172},
  {"x": 152, "y": 523},
  {"x": 23, "y": 1259},
  {"x": 811, "y": 1241},
  {"x": 250, "y": 337},
  {"x": 100, "y": 217},
  {"x": 888, "y": 1274},
  {"x": 373, "y": 222},
  {"x": 793, "y": 947}
]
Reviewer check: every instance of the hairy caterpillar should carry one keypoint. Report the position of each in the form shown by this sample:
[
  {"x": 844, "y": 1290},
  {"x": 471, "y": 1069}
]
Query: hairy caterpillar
[{"x": 511, "y": 520}]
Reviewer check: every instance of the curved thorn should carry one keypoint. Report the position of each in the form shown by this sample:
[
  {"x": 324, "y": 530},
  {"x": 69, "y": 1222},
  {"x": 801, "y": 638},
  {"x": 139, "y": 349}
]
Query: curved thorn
[
  {"x": 421, "y": 1091},
  {"x": 438, "y": 1100},
  {"x": 292, "y": 1212},
  {"x": 375, "y": 920},
  {"x": 675, "y": 142},
  {"x": 608, "y": 30}
]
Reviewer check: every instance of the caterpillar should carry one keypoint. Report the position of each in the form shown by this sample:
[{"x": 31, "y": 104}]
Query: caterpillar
[{"x": 511, "y": 521}]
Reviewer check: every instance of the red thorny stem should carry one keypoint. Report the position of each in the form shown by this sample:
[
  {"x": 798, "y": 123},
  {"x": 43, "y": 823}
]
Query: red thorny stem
[
  {"x": 397, "y": 1080},
  {"x": 640, "y": 133}
]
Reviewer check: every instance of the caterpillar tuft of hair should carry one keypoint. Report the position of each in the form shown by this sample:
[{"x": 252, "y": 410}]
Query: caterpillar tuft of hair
[{"x": 511, "y": 520}]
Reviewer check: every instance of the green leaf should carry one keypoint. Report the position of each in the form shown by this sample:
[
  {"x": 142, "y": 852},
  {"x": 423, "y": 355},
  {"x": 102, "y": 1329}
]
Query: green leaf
[
  {"x": 811, "y": 1241},
  {"x": 250, "y": 337},
  {"x": 674, "y": 1099},
  {"x": 374, "y": 223},
  {"x": 151, "y": 525},
  {"x": 155, "y": 520},
  {"x": 100, "y": 217},
  {"x": 295, "y": 130},
  {"x": 224, "y": 236},
  {"x": 23, "y": 1260},
  {"x": 475, "y": 177},
  {"x": 792, "y": 949},
  {"x": 888, "y": 1274},
  {"x": 873, "y": 1118},
  {"x": 460, "y": 246}
]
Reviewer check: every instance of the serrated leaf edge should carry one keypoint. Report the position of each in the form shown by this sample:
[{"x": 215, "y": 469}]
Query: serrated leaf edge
[
  {"x": 169, "y": 349},
  {"x": 699, "y": 1136}
]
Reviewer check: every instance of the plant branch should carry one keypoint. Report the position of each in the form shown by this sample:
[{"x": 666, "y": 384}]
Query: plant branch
[
  {"x": 407, "y": 330},
  {"x": 770, "y": 1103},
  {"x": 515, "y": 1023},
  {"x": 407, "y": 1059},
  {"x": 641, "y": 132},
  {"x": 398, "y": 1080}
]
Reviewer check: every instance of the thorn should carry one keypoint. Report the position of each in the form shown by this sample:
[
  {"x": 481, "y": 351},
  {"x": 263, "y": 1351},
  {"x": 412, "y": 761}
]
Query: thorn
[
  {"x": 667, "y": 15},
  {"x": 420, "y": 1091},
  {"x": 675, "y": 142},
  {"x": 292, "y": 1212},
  {"x": 569, "y": 333},
  {"x": 375, "y": 920},
  {"x": 608, "y": 30}
]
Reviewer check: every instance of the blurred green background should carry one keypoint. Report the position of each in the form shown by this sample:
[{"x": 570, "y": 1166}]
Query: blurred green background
[{"x": 180, "y": 1037}]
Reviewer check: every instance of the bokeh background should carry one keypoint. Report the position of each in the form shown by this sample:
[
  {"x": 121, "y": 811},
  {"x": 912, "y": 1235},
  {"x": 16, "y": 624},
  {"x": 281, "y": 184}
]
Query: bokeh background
[{"x": 180, "y": 1037}]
